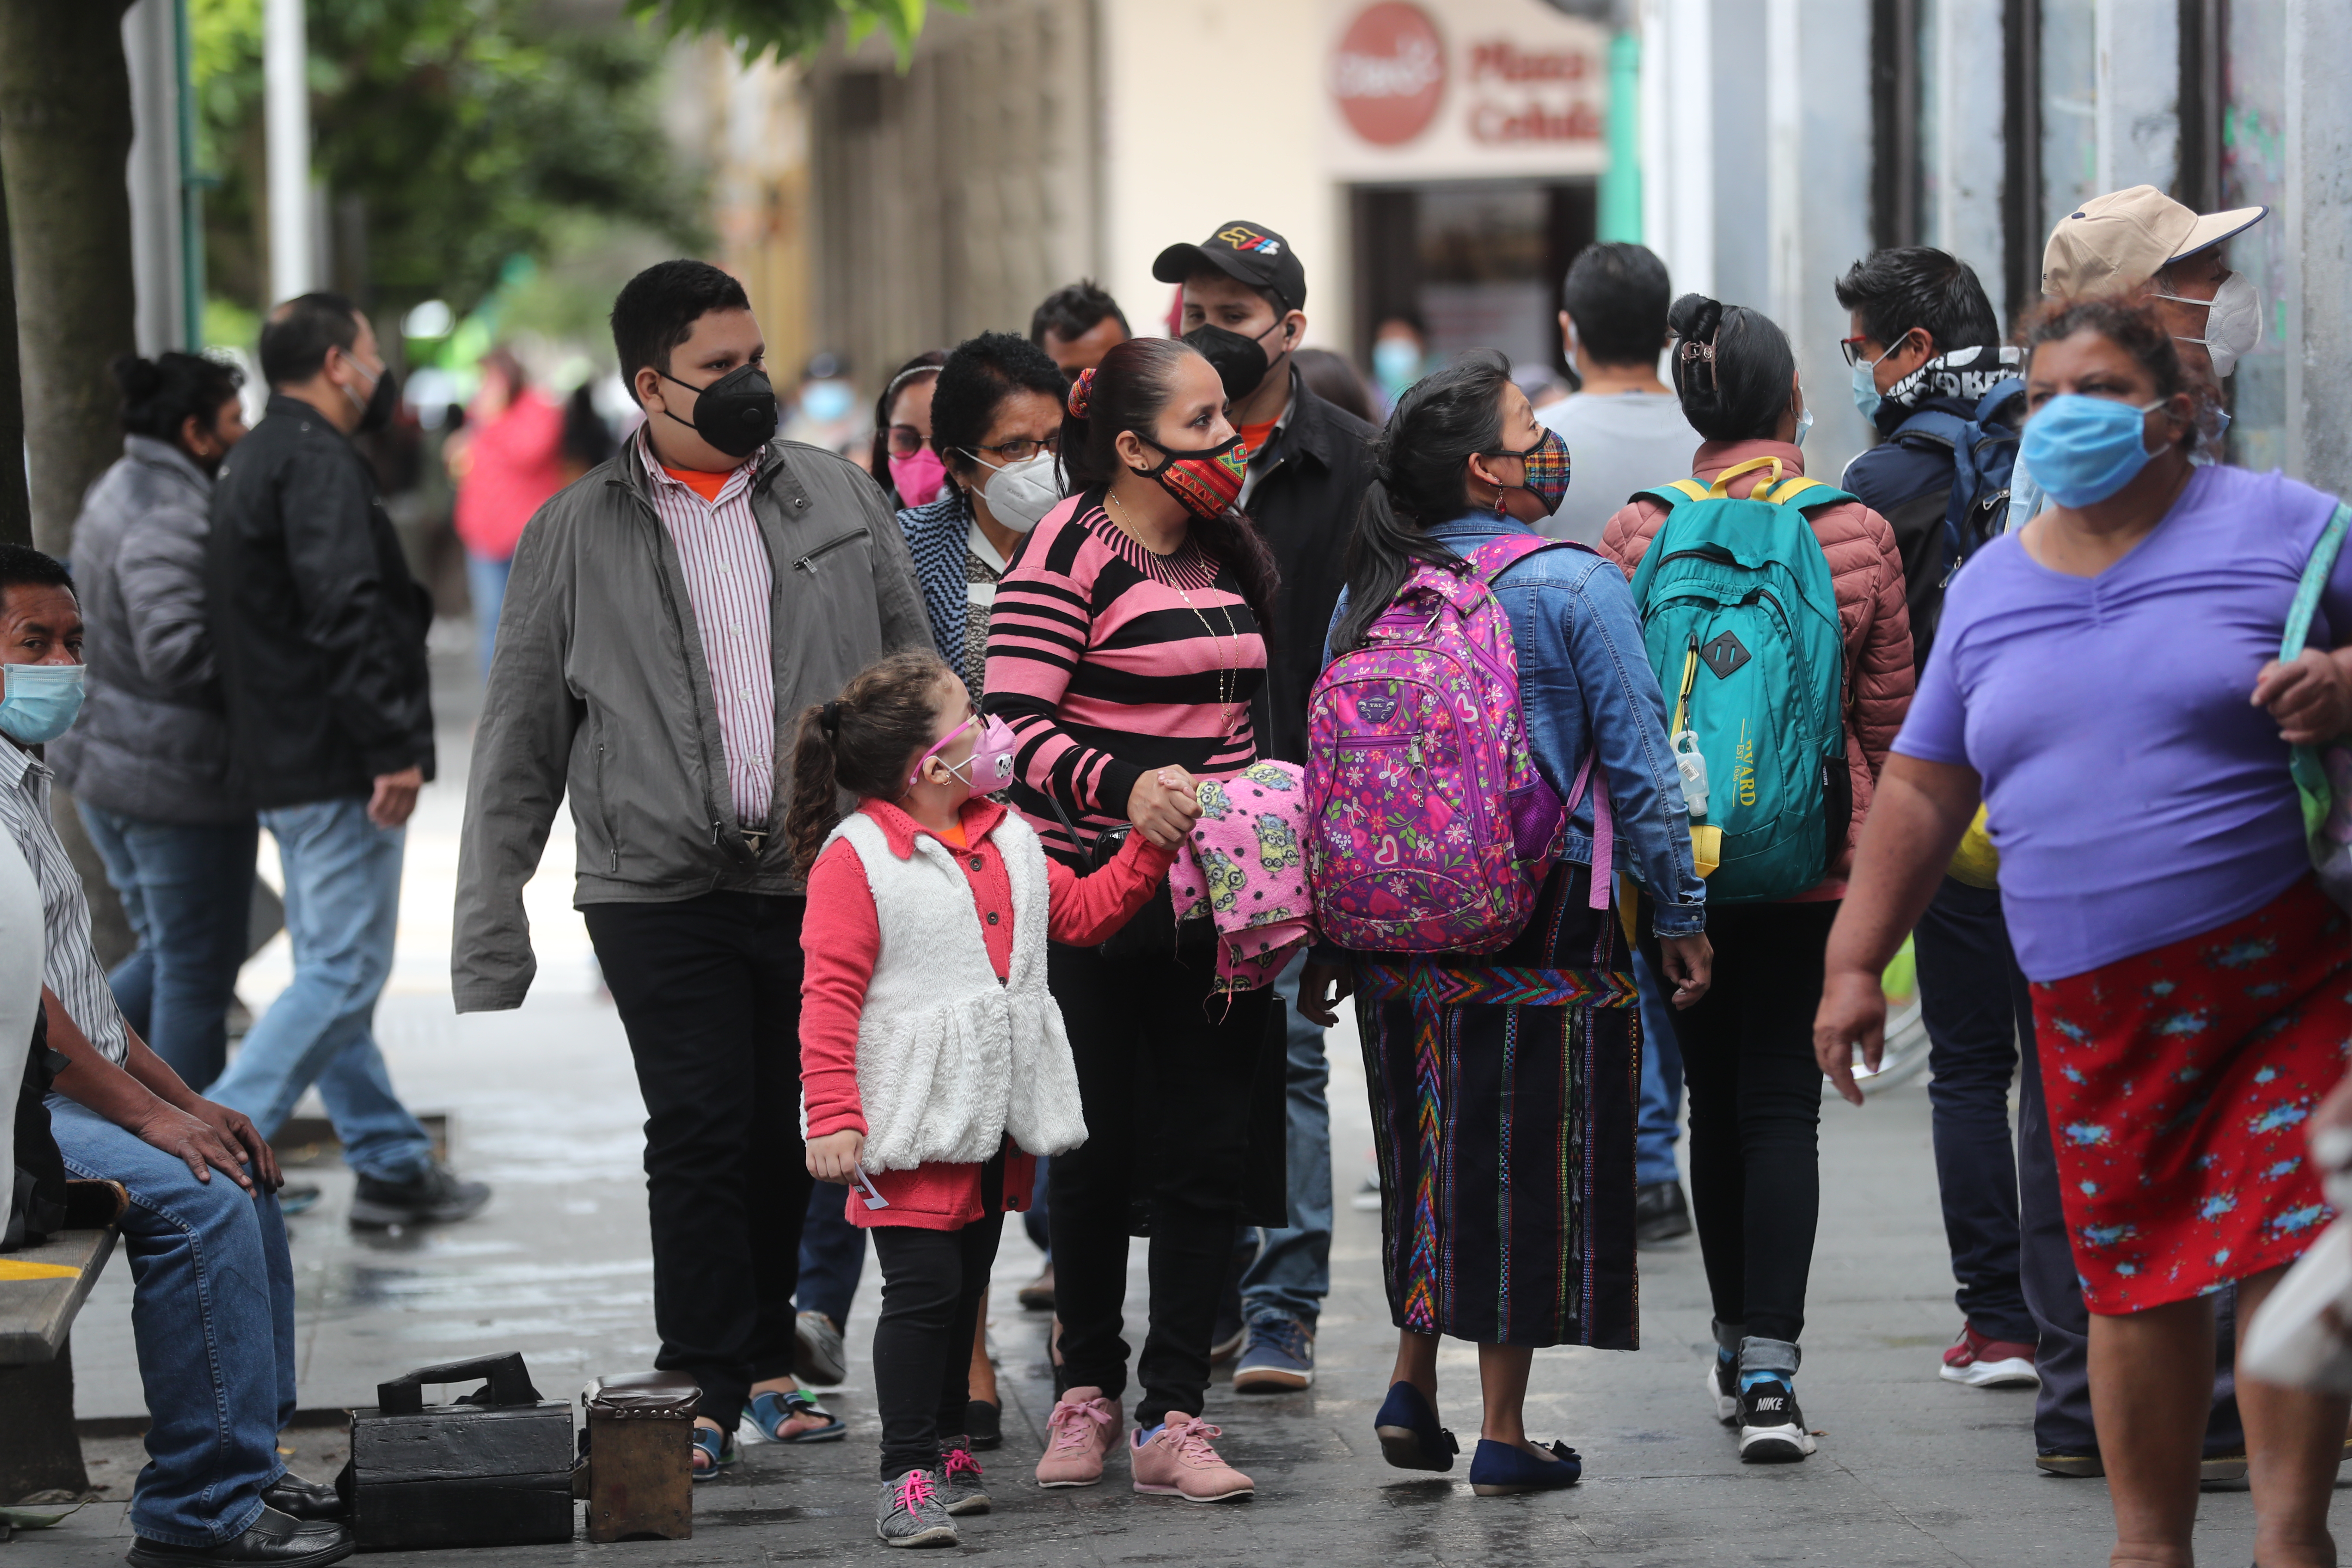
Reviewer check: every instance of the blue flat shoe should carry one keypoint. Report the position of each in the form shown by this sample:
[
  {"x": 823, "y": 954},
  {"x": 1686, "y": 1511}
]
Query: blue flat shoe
[
  {"x": 1498, "y": 1469},
  {"x": 771, "y": 1412},
  {"x": 1410, "y": 1438},
  {"x": 718, "y": 1447}
]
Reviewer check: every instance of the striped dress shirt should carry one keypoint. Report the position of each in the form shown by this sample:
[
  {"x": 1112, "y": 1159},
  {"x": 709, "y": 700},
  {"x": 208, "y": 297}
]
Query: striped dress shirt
[
  {"x": 729, "y": 582},
  {"x": 70, "y": 967}
]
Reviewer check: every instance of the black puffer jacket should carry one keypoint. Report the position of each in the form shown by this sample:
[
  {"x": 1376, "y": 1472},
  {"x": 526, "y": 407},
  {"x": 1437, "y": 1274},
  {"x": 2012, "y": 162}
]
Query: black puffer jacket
[
  {"x": 318, "y": 627},
  {"x": 1305, "y": 506},
  {"x": 152, "y": 742}
]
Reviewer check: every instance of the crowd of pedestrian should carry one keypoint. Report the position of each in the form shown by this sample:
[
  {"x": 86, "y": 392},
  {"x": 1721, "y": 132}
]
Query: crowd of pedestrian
[{"x": 996, "y": 825}]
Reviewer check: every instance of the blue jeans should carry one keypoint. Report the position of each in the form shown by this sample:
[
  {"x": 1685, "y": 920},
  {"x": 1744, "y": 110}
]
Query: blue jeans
[
  {"x": 343, "y": 904},
  {"x": 187, "y": 891},
  {"x": 832, "y": 1255},
  {"x": 1973, "y": 999},
  {"x": 486, "y": 584},
  {"x": 1292, "y": 1271},
  {"x": 1656, "y": 1132},
  {"x": 212, "y": 1311}
]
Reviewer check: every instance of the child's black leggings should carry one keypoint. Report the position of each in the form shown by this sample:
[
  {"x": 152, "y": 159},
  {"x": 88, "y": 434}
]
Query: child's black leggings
[{"x": 932, "y": 1285}]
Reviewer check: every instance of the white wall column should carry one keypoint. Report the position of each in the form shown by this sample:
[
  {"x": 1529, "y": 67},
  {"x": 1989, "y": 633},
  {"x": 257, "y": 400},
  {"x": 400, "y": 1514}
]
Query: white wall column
[
  {"x": 285, "y": 65},
  {"x": 1964, "y": 143},
  {"x": 151, "y": 43},
  {"x": 2137, "y": 117},
  {"x": 2318, "y": 207},
  {"x": 1678, "y": 140}
]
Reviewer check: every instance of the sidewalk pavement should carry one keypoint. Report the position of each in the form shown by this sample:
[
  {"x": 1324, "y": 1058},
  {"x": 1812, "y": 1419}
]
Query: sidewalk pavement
[{"x": 544, "y": 1105}]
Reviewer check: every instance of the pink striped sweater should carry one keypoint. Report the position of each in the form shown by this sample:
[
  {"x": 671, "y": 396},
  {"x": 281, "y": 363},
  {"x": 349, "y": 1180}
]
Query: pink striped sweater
[{"x": 1104, "y": 671}]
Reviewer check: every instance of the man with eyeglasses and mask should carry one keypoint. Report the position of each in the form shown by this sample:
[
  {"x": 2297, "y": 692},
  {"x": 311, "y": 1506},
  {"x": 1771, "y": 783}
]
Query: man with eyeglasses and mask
[
  {"x": 669, "y": 615},
  {"x": 318, "y": 632},
  {"x": 1309, "y": 465},
  {"x": 2141, "y": 241}
]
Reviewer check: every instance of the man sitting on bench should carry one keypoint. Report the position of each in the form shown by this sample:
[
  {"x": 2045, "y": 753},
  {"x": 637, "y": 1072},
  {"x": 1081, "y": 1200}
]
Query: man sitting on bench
[{"x": 212, "y": 1301}]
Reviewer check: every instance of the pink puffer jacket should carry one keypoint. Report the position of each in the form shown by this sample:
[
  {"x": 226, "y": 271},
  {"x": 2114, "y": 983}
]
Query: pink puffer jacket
[{"x": 1872, "y": 610}]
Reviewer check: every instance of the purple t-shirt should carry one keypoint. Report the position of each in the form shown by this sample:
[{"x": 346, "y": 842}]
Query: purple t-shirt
[{"x": 2136, "y": 794}]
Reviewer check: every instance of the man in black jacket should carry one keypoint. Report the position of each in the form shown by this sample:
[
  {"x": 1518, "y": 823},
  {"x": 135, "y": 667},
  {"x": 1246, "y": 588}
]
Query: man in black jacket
[
  {"x": 318, "y": 636},
  {"x": 1309, "y": 465}
]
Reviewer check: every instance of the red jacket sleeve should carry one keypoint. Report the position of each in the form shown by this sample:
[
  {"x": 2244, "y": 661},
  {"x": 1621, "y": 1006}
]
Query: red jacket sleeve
[
  {"x": 1626, "y": 536},
  {"x": 843, "y": 941},
  {"x": 1086, "y": 910}
]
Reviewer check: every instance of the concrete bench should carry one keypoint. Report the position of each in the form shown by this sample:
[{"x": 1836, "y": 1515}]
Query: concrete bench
[{"x": 41, "y": 1290}]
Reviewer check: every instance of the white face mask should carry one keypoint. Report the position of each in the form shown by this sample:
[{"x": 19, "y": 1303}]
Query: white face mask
[
  {"x": 2233, "y": 321},
  {"x": 1021, "y": 494}
]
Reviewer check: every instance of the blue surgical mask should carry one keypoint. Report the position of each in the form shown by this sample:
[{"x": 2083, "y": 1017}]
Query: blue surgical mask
[
  {"x": 42, "y": 701},
  {"x": 826, "y": 401},
  {"x": 1396, "y": 364},
  {"x": 1805, "y": 422},
  {"x": 2083, "y": 450},
  {"x": 1866, "y": 388}
]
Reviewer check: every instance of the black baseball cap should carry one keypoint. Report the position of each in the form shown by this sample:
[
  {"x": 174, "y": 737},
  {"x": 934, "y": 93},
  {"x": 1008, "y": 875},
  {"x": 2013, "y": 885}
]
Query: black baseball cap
[{"x": 1250, "y": 252}]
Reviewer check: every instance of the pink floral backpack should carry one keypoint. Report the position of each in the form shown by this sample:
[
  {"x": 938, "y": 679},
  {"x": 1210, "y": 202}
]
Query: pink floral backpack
[{"x": 1429, "y": 829}]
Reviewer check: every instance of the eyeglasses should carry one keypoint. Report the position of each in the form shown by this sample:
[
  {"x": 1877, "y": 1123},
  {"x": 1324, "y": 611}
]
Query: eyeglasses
[
  {"x": 1854, "y": 350},
  {"x": 1020, "y": 449},
  {"x": 906, "y": 440}
]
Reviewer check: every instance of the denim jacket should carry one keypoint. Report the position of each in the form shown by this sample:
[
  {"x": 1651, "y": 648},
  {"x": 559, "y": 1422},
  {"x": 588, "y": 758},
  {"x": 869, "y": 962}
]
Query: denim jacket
[{"x": 1584, "y": 681}]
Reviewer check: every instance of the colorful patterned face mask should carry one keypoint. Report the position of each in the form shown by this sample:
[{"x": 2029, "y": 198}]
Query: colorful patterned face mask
[
  {"x": 1547, "y": 476},
  {"x": 1209, "y": 480}
]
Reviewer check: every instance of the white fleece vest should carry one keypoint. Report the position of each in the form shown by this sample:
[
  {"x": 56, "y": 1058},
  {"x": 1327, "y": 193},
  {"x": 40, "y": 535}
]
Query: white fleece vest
[{"x": 950, "y": 1059}]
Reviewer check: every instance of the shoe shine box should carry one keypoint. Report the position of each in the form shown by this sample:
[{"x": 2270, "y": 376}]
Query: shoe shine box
[{"x": 494, "y": 1469}]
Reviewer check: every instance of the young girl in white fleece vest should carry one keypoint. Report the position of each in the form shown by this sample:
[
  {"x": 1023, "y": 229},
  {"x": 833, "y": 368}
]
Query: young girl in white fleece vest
[{"x": 933, "y": 1064}]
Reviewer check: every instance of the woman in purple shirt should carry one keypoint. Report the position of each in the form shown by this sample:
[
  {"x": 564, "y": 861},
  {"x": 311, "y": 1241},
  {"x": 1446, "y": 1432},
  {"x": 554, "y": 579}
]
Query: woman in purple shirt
[{"x": 2106, "y": 680}]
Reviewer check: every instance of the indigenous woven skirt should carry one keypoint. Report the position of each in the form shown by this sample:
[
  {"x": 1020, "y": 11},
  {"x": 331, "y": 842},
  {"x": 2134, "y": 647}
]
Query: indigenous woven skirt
[
  {"x": 1504, "y": 1089},
  {"x": 2178, "y": 1081}
]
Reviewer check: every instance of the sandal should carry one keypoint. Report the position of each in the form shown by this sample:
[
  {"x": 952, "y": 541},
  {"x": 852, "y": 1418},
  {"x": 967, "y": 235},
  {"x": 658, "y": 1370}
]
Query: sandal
[
  {"x": 716, "y": 1447},
  {"x": 770, "y": 1413}
]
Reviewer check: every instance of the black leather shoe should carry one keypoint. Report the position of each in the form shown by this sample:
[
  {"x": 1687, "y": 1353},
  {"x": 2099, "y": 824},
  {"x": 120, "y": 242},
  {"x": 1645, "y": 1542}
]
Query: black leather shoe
[
  {"x": 289, "y": 1494},
  {"x": 1660, "y": 1213},
  {"x": 275, "y": 1541}
]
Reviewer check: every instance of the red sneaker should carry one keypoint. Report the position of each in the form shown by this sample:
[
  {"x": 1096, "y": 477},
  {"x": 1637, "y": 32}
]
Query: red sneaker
[{"x": 1981, "y": 1363}]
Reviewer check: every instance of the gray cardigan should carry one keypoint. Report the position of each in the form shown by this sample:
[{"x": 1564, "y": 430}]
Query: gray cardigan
[{"x": 152, "y": 742}]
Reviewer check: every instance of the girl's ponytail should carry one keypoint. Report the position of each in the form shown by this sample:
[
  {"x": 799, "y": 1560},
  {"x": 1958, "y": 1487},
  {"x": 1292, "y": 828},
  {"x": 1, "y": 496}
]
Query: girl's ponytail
[{"x": 860, "y": 746}]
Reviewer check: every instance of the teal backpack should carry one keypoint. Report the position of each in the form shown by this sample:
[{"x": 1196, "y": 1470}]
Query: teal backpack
[{"x": 1739, "y": 618}]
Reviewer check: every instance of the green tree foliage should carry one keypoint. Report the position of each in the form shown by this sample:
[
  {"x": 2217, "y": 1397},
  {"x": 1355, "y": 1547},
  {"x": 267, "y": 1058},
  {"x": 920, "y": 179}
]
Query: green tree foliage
[
  {"x": 786, "y": 27},
  {"x": 450, "y": 136}
]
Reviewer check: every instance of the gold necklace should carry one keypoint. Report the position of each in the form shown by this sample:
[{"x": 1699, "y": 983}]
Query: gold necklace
[{"x": 1228, "y": 673}]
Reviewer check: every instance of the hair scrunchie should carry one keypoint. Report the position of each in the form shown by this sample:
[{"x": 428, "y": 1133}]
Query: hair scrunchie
[
  {"x": 828, "y": 718},
  {"x": 1081, "y": 393}
]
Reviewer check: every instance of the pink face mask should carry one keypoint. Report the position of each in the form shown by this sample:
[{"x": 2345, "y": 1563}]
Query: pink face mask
[
  {"x": 919, "y": 476},
  {"x": 991, "y": 762}
]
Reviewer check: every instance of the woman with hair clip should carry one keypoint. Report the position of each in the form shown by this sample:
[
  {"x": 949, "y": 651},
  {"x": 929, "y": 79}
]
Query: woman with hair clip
[
  {"x": 1123, "y": 652},
  {"x": 1491, "y": 1107},
  {"x": 1747, "y": 1054}
]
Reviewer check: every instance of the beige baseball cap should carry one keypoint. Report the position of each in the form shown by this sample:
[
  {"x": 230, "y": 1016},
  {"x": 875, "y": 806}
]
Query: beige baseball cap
[{"x": 2124, "y": 239}]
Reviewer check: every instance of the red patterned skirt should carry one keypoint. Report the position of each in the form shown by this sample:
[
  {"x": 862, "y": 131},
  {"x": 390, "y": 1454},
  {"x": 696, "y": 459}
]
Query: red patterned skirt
[{"x": 2178, "y": 1081}]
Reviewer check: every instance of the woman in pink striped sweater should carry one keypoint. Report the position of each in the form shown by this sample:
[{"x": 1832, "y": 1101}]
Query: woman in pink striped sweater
[{"x": 1126, "y": 645}]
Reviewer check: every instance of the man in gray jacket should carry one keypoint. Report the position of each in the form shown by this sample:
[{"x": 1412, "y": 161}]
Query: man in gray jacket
[
  {"x": 668, "y": 616},
  {"x": 148, "y": 763}
]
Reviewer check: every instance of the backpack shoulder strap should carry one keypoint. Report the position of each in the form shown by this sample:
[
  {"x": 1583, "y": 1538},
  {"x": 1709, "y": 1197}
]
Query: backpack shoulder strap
[
  {"x": 2316, "y": 573},
  {"x": 1669, "y": 496},
  {"x": 1999, "y": 393},
  {"x": 1490, "y": 559},
  {"x": 1813, "y": 492}
]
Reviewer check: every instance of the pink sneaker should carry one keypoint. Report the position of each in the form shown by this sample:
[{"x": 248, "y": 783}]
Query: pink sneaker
[
  {"x": 1082, "y": 1428},
  {"x": 1179, "y": 1462}
]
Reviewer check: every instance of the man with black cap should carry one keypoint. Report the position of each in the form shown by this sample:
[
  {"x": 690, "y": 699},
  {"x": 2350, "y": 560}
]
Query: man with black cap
[{"x": 1309, "y": 464}]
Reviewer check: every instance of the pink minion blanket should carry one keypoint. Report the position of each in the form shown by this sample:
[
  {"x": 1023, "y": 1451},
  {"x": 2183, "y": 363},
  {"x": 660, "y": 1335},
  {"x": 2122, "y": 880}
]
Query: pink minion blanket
[{"x": 1242, "y": 867}]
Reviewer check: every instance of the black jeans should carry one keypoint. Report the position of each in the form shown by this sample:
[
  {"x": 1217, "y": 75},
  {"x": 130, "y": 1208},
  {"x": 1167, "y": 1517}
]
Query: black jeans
[
  {"x": 933, "y": 1282},
  {"x": 710, "y": 990},
  {"x": 1164, "y": 1073},
  {"x": 1756, "y": 1109},
  {"x": 1973, "y": 999}
]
